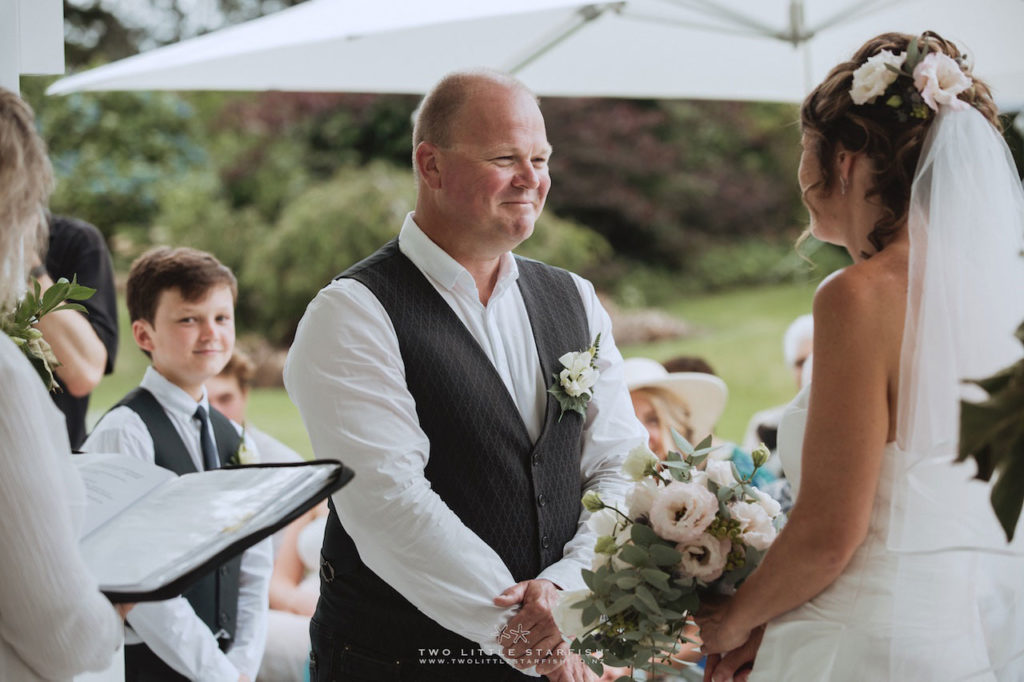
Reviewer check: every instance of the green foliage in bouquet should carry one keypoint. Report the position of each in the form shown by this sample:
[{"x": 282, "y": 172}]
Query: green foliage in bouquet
[
  {"x": 641, "y": 594},
  {"x": 18, "y": 322},
  {"x": 992, "y": 431}
]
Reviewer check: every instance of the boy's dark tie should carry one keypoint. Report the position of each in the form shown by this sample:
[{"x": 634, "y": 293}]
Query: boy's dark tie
[{"x": 210, "y": 458}]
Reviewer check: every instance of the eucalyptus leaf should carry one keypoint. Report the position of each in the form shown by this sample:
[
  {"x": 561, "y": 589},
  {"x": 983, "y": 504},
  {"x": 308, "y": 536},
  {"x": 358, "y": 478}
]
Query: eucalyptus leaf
[
  {"x": 681, "y": 443},
  {"x": 705, "y": 444},
  {"x": 663, "y": 555},
  {"x": 643, "y": 535},
  {"x": 619, "y": 605},
  {"x": 596, "y": 666},
  {"x": 658, "y": 579},
  {"x": 735, "y": 471},
  {"x": 627, "y": 582},
  {"x": 645, "y": 598},
  {"x": 632, "y": 554}
]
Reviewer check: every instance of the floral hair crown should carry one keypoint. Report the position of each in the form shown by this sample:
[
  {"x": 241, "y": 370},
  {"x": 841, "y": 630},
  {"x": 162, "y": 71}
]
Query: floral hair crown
[{"x": 914, "y": 83}]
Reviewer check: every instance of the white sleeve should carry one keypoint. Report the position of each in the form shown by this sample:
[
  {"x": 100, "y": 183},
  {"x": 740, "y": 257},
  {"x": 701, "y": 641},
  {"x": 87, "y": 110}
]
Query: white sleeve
[
  {"x": 52, "y": 614},
  {"x": 170, "y": 628},
  {"x": 346, "y": 375},
  {"x": 121, "y": 430},
  {"x": 253, "y": 602},
  {"x": 610, "y": 431}
]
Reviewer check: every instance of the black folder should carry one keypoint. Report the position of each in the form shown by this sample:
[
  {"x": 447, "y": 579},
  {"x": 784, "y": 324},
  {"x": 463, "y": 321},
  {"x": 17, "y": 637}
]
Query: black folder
[{"x": 149, "y": 535}]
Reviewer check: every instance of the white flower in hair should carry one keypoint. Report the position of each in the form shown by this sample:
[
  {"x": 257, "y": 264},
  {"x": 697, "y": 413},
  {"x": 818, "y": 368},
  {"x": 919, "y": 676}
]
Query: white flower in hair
[
  {"x": 939, "y": 79},
  {"x": 873, "y": 76}
]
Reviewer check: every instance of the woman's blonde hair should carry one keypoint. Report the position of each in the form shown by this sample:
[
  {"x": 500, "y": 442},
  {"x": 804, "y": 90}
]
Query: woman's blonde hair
[
  {"x": 672, "y": 411},
  {"x": 26, "y": 180}
]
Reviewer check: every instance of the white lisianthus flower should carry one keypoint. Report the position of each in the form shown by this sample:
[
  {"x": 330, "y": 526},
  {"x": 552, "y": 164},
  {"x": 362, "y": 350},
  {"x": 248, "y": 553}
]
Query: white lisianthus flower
[
  {"x": 768, "y": 503},
  {"x": 639, "y": 463},
  {"x": 682, "y": 511},
  {"x": 640, "y": 498},
  {"x": 939, "y": 79},
  {"x": 705, "y": 558},
  {"x": 699, "y": 477},
  {"x": 873, "y": 77},
  {"x": 720, "y": 471},
  {"x": 569, "y": 620},
  {"x": 756, "y": 527}
]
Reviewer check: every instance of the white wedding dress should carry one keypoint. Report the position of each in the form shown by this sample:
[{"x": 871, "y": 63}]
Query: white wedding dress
[{"x": 958, "y": 617}]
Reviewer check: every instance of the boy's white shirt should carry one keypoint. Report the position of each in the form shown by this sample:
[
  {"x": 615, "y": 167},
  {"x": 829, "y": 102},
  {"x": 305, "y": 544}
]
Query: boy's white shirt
[{"x": 171, "y": 628}]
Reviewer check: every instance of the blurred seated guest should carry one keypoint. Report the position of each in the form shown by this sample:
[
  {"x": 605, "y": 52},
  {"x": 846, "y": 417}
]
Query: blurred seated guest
[
  {"x": 85, "y": 344},
  {"x": 54, "y": 622},
  {"x": 796, "y": 350},
  {"x": 229, "y": 393},
  {"x": 689, "y": 402},
  {"x": 294, "y": 591},
  {"x": 688, "y": 363},
  {"x": 294, "y": 583}
]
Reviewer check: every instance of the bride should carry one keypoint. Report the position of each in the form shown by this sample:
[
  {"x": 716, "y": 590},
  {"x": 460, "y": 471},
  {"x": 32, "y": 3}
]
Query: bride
[{"x": 892, "y": 565}]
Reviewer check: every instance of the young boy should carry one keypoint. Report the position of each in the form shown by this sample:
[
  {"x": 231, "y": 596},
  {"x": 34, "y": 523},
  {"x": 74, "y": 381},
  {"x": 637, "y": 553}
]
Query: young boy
[{"x": 181, "y": 305}]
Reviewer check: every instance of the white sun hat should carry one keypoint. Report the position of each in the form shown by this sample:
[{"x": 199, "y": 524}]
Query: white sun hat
[{"x": 704, "y": 394}]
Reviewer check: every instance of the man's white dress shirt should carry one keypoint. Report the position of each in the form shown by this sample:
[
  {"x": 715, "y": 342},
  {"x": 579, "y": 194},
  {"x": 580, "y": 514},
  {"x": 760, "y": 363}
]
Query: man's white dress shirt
[
  {"x": 347, "y": 376},
  {"x": 171, "y": 628}
]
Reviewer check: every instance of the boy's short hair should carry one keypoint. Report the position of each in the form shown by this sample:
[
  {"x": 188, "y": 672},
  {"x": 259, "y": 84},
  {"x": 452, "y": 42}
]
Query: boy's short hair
[
  {"x": 240, "y": 368},
  {"x": 192, "y": 272}
]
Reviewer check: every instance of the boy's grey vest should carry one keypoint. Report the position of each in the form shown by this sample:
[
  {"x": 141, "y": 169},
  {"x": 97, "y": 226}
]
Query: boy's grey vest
[
  {"x": 522, "y": 498},
  {"x": 214, "y": 597}
]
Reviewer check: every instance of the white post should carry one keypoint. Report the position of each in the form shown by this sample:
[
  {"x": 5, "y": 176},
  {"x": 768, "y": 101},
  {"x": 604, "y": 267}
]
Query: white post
[
  {"x": 10, "y": 44},
  {"x": 31, "y": 39}
]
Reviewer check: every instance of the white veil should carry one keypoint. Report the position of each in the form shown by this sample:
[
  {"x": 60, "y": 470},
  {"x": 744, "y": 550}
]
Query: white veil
[{"x": 965, "y": 300}]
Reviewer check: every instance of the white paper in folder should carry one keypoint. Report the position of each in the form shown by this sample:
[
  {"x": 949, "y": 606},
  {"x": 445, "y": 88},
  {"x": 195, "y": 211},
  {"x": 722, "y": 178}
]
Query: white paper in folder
[{"x": 146, "y": 528}]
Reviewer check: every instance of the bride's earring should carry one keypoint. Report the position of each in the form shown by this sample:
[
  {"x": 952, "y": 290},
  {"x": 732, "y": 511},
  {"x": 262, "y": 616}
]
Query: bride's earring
[{"x": 842, "y": 185}]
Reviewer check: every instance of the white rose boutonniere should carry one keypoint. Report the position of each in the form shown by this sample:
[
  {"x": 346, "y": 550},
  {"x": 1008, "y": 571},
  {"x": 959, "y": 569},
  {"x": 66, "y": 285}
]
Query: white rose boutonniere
[{"x": 573, "y": 386}]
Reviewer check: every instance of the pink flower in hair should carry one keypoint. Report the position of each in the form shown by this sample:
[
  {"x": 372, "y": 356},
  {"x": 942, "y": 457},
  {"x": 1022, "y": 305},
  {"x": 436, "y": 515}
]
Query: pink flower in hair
[{"x": 939, "y": 80}]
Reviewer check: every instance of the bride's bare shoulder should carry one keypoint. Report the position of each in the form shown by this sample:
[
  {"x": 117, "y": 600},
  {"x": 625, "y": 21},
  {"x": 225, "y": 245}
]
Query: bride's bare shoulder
[{"x": 873, "y": 290}]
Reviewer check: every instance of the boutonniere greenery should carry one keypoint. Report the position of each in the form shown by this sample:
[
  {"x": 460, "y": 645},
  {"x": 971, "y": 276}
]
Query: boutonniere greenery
[
  {"x": 574, "y": 385},
  {"x": 242, "y": 454},
  {"x": 18, "y": 323}
]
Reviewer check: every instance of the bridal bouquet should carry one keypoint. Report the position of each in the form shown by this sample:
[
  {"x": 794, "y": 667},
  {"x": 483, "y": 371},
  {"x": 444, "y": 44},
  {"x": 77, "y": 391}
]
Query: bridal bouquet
[
  {"x": 692, "y": 526},
  {"x": 18, "y": 323}
]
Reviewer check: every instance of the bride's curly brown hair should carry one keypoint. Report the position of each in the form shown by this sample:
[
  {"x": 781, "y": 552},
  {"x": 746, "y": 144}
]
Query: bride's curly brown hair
[{"x": 831, "y": 120}]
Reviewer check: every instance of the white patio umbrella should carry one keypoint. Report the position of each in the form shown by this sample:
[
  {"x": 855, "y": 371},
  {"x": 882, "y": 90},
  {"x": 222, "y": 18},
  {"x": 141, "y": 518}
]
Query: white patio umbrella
[{"x": 769, "y": 50}]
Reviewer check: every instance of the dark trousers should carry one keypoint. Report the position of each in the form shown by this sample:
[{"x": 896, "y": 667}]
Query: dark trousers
[
  {"x": 142, "y": 665},
  {"x": 335, "y": 658}
]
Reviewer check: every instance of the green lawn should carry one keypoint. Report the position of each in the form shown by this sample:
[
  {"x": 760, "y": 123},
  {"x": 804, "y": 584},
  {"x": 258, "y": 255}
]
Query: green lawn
[{"x": 740, "y": 334}]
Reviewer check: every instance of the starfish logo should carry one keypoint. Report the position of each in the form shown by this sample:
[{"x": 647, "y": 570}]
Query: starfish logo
[{"x": 516, "y": 634}]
